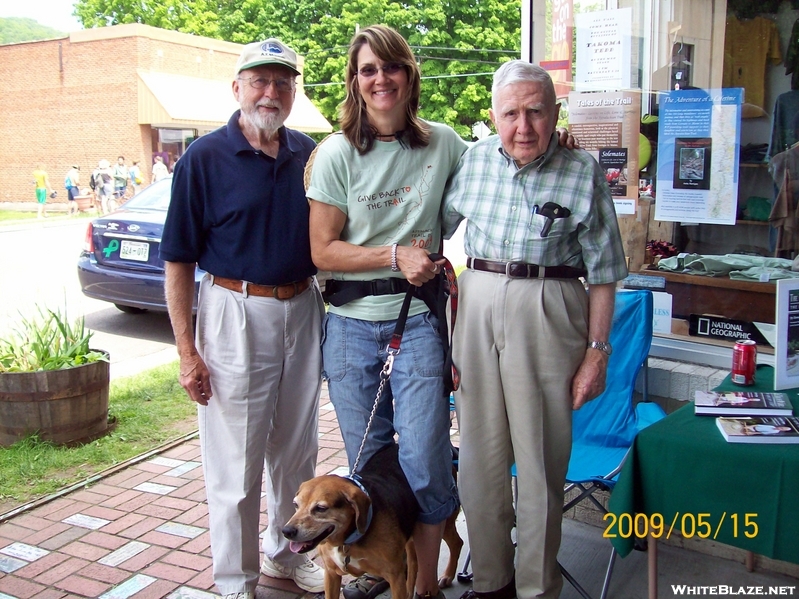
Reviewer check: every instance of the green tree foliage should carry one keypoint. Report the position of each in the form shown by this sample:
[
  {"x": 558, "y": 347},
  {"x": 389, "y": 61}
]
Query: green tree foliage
[
  {"x": 14, "y": 29},
  {"x": 199, "y": 17},
  {"x": 458, "y": 43}
]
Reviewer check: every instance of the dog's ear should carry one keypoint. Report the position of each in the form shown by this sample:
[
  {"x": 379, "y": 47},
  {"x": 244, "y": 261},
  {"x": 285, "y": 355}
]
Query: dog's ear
[{"x": 360, "y": 502}]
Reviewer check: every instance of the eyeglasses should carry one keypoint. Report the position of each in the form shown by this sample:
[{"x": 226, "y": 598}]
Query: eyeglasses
[
  {"x": 390, "y": 68},
  {"x": 282, "y": 85}
]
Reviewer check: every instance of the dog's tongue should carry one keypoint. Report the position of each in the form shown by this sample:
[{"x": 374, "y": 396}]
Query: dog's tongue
[{"x": 296, "y": 547}]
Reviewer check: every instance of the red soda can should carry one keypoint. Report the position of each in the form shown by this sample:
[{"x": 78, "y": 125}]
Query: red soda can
[{"x": 744, "y": 362}]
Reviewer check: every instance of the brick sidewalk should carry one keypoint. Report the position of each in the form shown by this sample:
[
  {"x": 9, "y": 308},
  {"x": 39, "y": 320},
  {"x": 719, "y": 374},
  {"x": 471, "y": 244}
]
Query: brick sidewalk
[{"x": 141, "y": 533}]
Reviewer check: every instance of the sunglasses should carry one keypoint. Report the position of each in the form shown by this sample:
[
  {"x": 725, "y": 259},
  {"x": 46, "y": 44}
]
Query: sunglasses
[{"x": 390, "y": 68}]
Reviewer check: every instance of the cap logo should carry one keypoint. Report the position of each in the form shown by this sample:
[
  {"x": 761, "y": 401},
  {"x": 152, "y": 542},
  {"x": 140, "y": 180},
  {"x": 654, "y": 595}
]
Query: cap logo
[{"x": 271, "y": 48}]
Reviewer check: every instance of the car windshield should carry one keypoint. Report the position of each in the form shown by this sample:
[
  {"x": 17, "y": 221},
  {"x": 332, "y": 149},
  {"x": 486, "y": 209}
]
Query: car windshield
[{"x": 154, "y": 197}]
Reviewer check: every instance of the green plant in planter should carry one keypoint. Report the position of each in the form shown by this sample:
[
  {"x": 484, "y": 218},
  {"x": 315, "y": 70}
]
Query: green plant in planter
[{"x": 48, "y": 342}]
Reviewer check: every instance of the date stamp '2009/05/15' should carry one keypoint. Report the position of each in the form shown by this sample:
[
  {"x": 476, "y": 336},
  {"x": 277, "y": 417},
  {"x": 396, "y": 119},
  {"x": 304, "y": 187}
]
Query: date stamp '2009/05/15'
[{"x": 687, "y": 524}]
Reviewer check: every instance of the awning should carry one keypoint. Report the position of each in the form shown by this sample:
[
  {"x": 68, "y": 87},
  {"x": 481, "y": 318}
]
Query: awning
[{"x": 178, "y": 101}]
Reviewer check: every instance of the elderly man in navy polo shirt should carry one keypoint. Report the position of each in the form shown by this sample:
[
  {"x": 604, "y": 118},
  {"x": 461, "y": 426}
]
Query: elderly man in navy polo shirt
[{"x": 239, "y": 211}]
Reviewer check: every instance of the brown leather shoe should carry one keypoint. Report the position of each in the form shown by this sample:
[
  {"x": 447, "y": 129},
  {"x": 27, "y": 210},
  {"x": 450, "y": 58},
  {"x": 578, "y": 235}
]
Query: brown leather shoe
[{"x": 506, "y": 592}]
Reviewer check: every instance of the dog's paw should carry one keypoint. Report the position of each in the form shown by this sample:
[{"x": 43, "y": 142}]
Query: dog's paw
[{"x": 445, "y": 582}]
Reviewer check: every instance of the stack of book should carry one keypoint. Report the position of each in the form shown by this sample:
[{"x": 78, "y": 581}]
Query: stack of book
[{"x": 750, "y": 417}]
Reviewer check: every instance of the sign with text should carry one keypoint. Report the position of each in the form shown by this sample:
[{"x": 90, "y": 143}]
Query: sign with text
[
  {"x": 604, "y": 43},
  {"x": 726, "y": 329},
  {"x": 699, "y": 138},
  {"x": 607, "y": 126},
  {"x": 661, "y": 312},
  {"x": 786, "y": 351}
]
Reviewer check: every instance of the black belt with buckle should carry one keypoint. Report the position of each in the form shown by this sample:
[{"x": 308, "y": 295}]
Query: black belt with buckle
[{"x": 522, "y": 270}]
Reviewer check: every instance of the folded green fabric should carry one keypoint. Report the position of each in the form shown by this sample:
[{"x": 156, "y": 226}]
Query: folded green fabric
[
  {"x": 755, "y": 274},
  {"x": 721, "y": 265}
]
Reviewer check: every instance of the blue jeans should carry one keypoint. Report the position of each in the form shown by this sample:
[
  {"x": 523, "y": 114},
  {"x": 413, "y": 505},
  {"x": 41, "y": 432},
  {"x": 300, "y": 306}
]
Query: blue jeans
[{"x": 354, "y": 353}]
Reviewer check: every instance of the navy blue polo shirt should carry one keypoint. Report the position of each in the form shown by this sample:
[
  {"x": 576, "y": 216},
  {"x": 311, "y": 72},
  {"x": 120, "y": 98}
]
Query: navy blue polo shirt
[{"x": 239, "y": 213}]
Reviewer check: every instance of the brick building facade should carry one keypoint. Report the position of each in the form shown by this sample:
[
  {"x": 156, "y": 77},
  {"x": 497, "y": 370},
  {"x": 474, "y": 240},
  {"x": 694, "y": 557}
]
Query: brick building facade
[{"x": 129, "y": 90}]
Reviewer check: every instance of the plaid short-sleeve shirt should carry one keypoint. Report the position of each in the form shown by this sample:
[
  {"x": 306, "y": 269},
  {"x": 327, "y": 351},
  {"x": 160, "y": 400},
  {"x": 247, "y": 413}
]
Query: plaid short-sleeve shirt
[{"x": 499, "y": 202}]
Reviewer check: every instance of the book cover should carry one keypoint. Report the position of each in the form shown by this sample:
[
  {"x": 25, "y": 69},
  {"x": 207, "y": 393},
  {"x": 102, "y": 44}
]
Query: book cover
[
  {"x": 692, "y": 163},
  {"x": 614, "y": 164},
  {"x": 741, "y": 404},
  {"x": 777, "y": 429}
]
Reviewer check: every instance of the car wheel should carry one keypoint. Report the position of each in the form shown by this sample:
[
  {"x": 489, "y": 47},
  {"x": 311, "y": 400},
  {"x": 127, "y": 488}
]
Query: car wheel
[{"x": 130, "y": 309}]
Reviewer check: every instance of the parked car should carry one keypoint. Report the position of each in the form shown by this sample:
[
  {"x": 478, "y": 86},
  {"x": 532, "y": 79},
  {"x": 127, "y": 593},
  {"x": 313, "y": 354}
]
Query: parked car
[{"x": 119, "y": 262}]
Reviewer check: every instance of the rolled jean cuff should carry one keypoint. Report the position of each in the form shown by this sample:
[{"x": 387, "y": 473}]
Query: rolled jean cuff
[{"x": 442, "y": 513}]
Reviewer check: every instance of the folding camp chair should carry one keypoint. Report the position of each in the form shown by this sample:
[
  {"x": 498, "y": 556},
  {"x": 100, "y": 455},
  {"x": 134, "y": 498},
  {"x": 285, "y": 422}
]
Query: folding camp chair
[{"x": 603, "y": 430}]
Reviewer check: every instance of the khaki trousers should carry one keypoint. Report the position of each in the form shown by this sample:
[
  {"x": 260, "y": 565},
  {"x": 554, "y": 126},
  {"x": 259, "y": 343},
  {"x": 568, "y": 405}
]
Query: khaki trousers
[
  {"x": 265, "y": 362},
  {"x": 517, "y": 344}
]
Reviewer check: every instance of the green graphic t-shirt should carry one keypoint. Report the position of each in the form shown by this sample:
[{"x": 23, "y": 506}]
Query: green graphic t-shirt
[{"x": 390, "y": 195}]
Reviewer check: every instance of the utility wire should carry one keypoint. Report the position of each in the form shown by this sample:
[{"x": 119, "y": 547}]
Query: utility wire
[{"x": 428, "y": 77}]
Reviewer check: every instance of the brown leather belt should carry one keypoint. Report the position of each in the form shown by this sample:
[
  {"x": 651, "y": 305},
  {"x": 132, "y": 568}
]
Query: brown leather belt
[
  {"x": 522, "y": 270},
  {"x": 281, "y": 292}
]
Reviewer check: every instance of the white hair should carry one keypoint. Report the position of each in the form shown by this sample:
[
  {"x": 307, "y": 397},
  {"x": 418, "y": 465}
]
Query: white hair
[{"x": 519, "y": 71}]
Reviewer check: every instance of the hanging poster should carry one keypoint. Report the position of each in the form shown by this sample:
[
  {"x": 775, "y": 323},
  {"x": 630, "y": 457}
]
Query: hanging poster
[
  {"x": 606, "y": 124},
  {"x": 786, "y": 350},
  {"x": 699, "y": 138},
  {"x": 604, "y": 42}
]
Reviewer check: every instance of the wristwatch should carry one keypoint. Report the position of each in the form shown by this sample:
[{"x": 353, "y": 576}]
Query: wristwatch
[{"x": 601, "y": 346}]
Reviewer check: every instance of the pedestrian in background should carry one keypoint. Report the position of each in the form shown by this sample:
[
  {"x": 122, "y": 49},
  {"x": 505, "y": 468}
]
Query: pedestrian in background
[
  {"x": 121, "y": 177},
  {"x": 42, "y": 182},
  {"x": 135, "y": 177},
  {"x": 103, "y": 184},
  {"x": 72, "y": 185},
  {"x": 159, "y": 169}
]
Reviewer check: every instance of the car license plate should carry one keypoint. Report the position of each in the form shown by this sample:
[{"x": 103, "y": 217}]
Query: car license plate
[{"x": 134, "y": 250}]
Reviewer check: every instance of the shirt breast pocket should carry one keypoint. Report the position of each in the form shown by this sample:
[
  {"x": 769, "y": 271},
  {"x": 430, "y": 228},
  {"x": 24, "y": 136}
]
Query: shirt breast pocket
[{"x": 540, "y": 224}]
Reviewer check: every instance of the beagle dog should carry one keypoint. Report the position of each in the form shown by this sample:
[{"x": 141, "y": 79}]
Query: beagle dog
[{"x": 364, "y": 524}]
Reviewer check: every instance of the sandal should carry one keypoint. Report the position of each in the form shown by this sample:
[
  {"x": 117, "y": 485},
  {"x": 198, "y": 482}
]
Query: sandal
[{"x": 365, "y": 587}]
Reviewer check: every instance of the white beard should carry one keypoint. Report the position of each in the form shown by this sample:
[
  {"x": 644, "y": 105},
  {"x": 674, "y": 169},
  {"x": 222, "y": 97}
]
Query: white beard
[{"x": 269, "y": 123}]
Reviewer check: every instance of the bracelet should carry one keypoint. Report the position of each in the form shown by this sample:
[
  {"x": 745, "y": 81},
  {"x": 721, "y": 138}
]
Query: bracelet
[{"x": 394, "y": 265}]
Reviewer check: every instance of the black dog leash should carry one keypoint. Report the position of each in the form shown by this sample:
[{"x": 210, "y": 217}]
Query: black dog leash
[{"x": 393, "y": 347}]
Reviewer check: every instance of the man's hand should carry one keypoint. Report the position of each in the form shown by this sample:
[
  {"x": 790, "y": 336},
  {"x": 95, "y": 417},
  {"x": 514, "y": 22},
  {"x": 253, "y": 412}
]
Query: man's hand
[
  {"x": 179, "y": 290},
  {"x": 195, "y": 379},
  {"x": 589, "y": 382},
  {"x": 566, "y": 139}
]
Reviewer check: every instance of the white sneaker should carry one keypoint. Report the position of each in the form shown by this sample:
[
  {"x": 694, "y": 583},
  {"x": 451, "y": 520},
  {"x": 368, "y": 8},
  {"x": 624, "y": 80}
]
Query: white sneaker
[
  {"x": 308, "y": 576},
  {"x": 244, "y": 595}
]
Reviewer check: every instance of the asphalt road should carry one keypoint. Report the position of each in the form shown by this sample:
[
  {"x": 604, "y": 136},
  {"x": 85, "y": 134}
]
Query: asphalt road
[{"x": 38, "y": 268}]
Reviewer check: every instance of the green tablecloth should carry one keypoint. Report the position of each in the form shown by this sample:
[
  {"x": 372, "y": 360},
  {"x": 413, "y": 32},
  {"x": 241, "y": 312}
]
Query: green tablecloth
[{"x": 683, "y": 466}]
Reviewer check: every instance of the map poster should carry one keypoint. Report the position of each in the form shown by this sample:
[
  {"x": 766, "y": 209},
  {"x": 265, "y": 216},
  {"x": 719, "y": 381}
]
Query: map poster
[
  {"x": 699, "y": 139},
  {"x": 607, "y": 125},
  {"x": 786, "y": 348}
]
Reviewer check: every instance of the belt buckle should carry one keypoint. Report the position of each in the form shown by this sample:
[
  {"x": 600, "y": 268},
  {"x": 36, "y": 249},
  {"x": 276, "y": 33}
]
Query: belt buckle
[{"x": 510, "y": 265}]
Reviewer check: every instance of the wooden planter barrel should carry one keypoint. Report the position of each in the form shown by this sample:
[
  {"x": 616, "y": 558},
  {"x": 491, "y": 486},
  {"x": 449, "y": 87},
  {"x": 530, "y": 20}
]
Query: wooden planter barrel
[
  {"x": 85, "y": 203},
  {"x": 62, "y": 406}
]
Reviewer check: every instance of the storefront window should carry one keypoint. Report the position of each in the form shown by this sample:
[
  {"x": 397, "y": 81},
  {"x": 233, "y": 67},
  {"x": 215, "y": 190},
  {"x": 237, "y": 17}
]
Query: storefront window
[
  {"x": 692, "y": 109},
  {"x": 170, "y": 144}
]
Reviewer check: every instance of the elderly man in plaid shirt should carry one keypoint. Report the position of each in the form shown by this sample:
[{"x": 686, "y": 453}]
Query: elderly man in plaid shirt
[{"x": 530, "y": 344}]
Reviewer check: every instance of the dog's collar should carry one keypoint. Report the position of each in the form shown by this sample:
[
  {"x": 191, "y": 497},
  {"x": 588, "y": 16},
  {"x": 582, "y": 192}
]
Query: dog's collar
[{"x": 356, "y": 536}]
